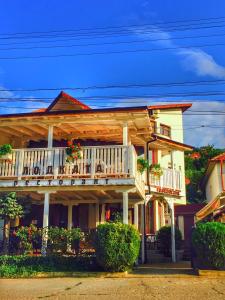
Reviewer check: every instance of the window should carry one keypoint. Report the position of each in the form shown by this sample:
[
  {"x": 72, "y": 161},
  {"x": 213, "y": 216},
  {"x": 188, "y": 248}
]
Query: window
[{"x": 165, "y": 130}]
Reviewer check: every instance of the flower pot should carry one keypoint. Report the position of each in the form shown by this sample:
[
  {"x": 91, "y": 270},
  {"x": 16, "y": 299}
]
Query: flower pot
[
  {"x": 15, "y": 222},
  {"x": 6, "y": 157}
]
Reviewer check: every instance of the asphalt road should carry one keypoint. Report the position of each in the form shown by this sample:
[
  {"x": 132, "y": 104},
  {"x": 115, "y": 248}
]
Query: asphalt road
[{"x": 113, "y": 288}]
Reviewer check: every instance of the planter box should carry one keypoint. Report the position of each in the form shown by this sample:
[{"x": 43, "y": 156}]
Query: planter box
[{"x": 6, "y": 157}]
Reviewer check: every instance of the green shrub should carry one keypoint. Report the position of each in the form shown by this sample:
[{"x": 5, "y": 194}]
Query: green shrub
[
  {"x": 25, "y": 266},
  {"x": 164, "y": 239},
  {"x": 60, "y": 238},
  {"x": 208, "y": 240},
  {"x": 117, "y": 246}
]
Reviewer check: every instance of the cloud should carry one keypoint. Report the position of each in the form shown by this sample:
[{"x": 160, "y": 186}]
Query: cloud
[
  {"x": 201, "y": 63},
  {"x": 193, "y": 59},
  {"x": 214, "y": 133}
]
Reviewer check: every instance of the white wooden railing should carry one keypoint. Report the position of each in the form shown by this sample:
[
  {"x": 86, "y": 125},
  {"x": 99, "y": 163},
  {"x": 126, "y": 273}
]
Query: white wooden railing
[
  {"x": 170, "y": 179},
  {"x": 101, "y": 161}
]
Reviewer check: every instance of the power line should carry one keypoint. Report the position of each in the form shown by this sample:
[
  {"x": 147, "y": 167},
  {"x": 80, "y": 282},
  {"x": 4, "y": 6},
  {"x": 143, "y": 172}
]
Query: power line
[
  {"x": 121, "y": 86},
  {"x": 105, "y": 34},
  {"x": 110, "y": 52},
  {"x": 109, "y": 43},
  {"x": 110, "y": 27}
]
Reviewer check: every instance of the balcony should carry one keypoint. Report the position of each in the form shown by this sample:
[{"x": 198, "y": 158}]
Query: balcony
[
  {"x": 116, "y": 163},
  {"x": 170, "y": 182}
]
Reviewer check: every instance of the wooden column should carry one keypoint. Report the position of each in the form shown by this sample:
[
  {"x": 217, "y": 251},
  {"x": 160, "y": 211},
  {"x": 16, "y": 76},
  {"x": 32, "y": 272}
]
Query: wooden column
[
  {"x": 50, "y": 136},
  {"x": 45, "y": 223},
  {"x": 97, "y": 214},
  {"x": 143, "y": 233},
  {"x": 125, "y": 207},
  {"x": 173, "y": 244},
  {"x": 125, "y": 134},
  {"x": 136, "y": 215},
  {"x": 103, "y": 214},
  {"x": 70, "y": 217}
]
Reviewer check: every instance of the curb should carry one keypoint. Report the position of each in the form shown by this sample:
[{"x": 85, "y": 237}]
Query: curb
[{"x": 211, "y": 273}]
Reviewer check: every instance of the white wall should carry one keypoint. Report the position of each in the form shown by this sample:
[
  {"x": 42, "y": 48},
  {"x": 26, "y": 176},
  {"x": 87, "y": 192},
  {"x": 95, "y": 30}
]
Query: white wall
[
  {"x": 174, "y": 119},
  {"x": 214, "y": 185}
]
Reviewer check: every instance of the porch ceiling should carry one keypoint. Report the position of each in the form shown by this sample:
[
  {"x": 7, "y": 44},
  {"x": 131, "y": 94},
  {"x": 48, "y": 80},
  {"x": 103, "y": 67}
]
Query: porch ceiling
[
  {"x": 104, "y": 127},
  {"x": 76, "y": 197}
]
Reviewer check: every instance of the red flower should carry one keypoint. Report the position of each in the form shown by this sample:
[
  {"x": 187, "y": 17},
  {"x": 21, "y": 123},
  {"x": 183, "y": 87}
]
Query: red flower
[
  {"x": 187, "y": 181},
  {"x": 195, "y": 155}
]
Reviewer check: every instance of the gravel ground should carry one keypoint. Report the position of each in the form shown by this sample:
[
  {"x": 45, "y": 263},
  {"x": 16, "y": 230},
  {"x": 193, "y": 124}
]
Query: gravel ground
[{"x": 113, "y": 288}]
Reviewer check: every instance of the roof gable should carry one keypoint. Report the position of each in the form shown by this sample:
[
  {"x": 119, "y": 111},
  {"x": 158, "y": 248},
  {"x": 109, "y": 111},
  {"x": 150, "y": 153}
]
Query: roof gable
[{"x": 65, "y": 102}]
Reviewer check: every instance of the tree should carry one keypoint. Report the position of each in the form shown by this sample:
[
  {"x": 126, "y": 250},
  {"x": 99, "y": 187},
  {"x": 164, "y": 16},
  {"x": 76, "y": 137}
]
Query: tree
[
  {"x": 196, "y": 162},
  {"x": 9, "y": 210}
]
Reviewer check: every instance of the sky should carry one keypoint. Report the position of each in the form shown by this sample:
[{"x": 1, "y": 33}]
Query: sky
[{"x": 158, "y": 51}]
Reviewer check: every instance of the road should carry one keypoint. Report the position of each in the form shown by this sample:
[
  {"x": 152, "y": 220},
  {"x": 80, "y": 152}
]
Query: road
[{"x": 113, "y": 288}]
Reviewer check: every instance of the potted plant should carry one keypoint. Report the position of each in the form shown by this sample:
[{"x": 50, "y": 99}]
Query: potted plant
[
  {"x": 6, "y": 152},
  {"x": 156, "y": 170},
  {"x": 73, "y": 152},
  {"x": 142, "y": 165}
]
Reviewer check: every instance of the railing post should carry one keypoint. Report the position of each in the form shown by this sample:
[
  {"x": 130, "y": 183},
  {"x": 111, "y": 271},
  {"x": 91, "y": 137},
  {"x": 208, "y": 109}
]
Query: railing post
[
  {"x": 93, "y": 161},
  {"x": 20, "y": 163},
  {"x": 56, "y": 163},
  {"x": 129, "y": 161}
]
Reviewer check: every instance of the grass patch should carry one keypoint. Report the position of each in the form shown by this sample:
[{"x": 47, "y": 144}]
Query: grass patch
[{"x": 29, "y": 266}]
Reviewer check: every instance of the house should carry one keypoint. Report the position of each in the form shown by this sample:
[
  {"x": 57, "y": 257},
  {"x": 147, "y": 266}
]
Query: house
[
  {"x": 185, "y": 220},
  {"x": 106, "y": 179},
  {"x": 214, "y": 185}
]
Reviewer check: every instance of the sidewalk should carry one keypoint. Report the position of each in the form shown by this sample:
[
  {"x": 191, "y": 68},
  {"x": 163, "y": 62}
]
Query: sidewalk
[{"x": 180, "y": 269}]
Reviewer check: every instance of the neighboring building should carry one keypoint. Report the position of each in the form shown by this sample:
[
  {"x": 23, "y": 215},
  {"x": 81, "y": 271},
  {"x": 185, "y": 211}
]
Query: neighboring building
[
  {"x": 214, "y": 184},
  {"x": 106, "y": 178},
  {"x": 185, "y": 220}
]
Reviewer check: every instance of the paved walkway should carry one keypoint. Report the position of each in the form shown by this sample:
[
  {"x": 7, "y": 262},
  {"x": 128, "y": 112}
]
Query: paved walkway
[
  {"x": 165, "y": 269},
  {"x": 192, "y": 288}
]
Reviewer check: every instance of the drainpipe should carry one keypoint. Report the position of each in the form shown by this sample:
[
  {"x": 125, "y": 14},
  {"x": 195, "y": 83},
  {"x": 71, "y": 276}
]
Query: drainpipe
[
  {"x": 221, "y": 174},
  {"x": 145, "y": 248}
]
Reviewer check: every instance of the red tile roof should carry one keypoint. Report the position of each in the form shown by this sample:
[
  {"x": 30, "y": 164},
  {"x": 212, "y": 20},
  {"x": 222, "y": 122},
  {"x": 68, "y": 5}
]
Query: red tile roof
[{"x": 183, "y": 106}]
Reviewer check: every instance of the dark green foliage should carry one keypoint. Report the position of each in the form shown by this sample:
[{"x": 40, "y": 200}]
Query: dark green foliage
[
  {"x": 5, "y": 149},
  {"x": 209, "y": 245},
  {"x": 195, "y": 169},
  {"x": 117, "y": 246},
  {"x": 164, "y": 239},
  {"x": 143, "y": 164},
  {"x": 26, "y": 266}
]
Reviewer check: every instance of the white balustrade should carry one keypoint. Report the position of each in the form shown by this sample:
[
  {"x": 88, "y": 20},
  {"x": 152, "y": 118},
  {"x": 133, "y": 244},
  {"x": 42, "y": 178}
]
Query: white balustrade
[
  {"x": 170, "y": 179},
  {"x": 115, "y": 161}
]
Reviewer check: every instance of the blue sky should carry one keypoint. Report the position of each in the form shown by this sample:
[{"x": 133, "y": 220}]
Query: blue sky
[{"x": 186, "y": 58}]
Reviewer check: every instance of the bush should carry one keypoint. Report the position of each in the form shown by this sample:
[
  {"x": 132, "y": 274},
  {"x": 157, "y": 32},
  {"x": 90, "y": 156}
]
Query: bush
[
  {"x": 29, "y": 238},
  {"x": 164, "y": 239},
  {"x": 208, "y": 241},
  {"x": 25, "y": 266},
  {"x": 117, "y": 246},
  {"x": 60, "y": 238}
]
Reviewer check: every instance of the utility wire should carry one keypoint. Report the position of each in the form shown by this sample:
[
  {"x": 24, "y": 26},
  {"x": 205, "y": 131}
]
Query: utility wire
[
  {"x": 121, "y": 86},
  {"x": 109, "y": 52},
  {"x": 115, "y": 27},
  {"x": 122, "y": 33},
  {"x": 110, "y": 43}
]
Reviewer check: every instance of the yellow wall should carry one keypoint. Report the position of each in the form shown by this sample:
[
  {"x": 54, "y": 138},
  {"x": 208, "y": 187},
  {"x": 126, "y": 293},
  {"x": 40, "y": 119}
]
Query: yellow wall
[{"x": 214, "y": 185}]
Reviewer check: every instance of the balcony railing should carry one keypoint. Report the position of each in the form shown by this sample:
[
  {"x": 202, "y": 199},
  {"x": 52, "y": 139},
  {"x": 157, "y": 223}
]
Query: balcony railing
[
  {"x": 97, "y": 162},
  {"x": 170, "y": 179}
]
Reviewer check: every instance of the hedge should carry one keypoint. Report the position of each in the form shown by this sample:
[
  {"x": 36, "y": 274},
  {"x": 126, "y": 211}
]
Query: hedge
[
  {"x": 25, "y": 266},
  {"x": 164, "y": 239},
  {"x": 208, "y": 240},
  {"x": 117, "y": 246}
]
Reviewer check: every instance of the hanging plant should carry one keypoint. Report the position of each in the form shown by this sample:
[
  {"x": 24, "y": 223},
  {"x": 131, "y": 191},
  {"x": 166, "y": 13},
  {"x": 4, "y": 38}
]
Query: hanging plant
[
  {"x": 6, "y": 152},
  {"x": 73, "y": 152},
  {"x": 142, "y": 165},
  {"x": 156, "y": 170}
]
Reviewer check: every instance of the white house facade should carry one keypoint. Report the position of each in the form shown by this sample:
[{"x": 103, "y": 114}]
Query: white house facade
[{"x": 106, "y": 178}]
